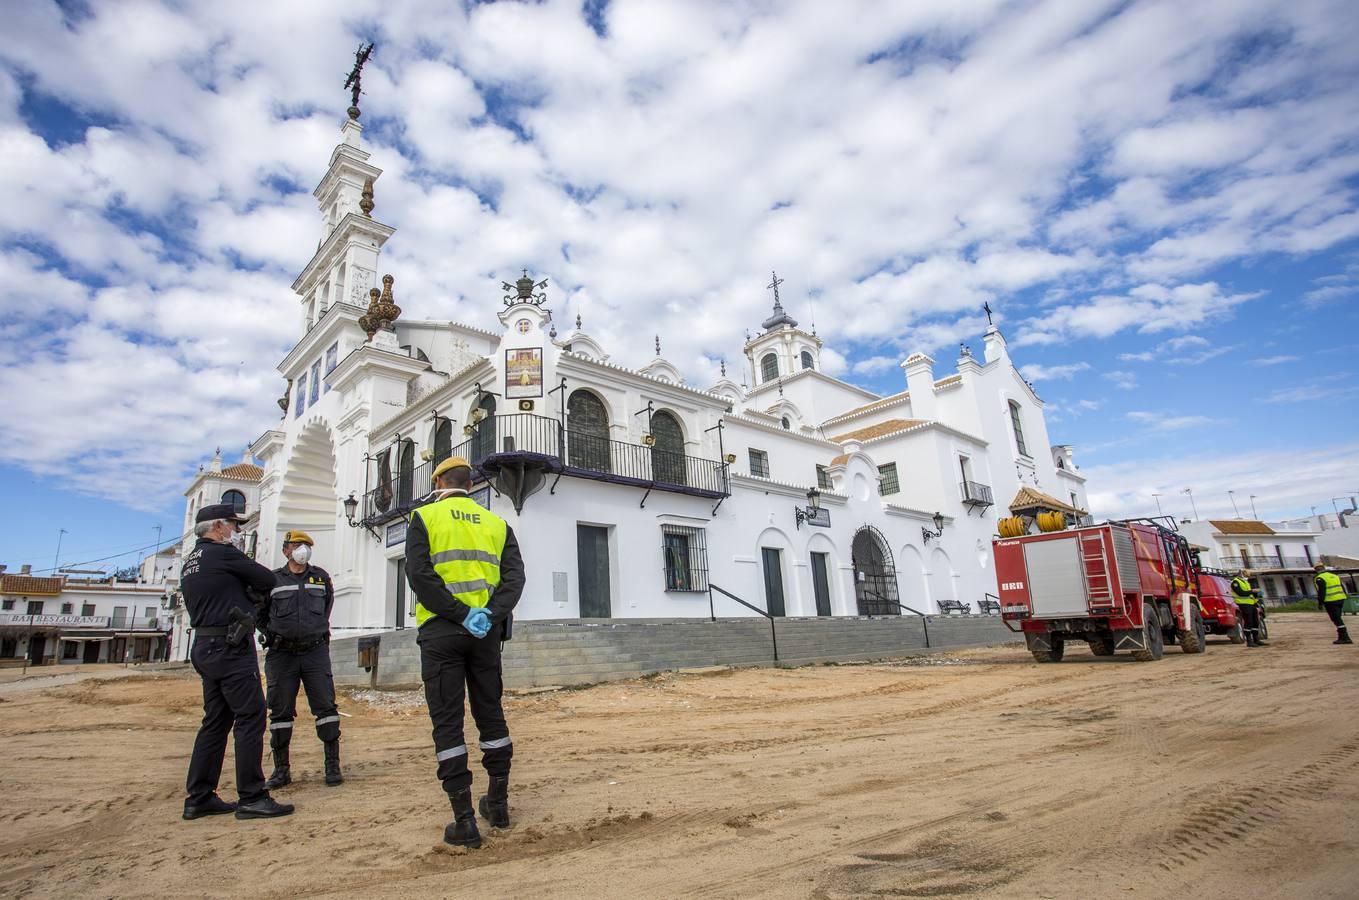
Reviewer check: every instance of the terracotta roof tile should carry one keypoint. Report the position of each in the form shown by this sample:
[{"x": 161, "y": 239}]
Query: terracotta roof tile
[
  {"x": 30, "y": 584},
  {"x": 840, "y": 460},
  {"x": 891, "y": 426},
  {"x": 1240, "y": 526},
  {"x": 1032, "y": 498},
  {"x": 243, "y": 472}
]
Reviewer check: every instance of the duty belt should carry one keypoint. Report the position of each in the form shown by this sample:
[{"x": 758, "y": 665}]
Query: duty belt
[
  {"x": 211, "y": 631},
  {"x": 290, "y": 646}
]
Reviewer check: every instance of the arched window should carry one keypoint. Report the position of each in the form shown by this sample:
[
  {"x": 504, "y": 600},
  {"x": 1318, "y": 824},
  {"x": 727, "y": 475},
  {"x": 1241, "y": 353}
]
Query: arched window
[
  {"x": 382, "y": 494},
  {"x": 667, "y": 456},
  {"x": 483, "y": 438},
  {"x": 807, "y": 360},
  {"x": 875, "y": 575},
  {"x": 785, "y": 423},
  {"x": 237, "y": 501},
  {"x": 405, "y": 472},
  {"x": 587, "y": 434},
  {"x": 443, "y": 440},
  {"x": 769, "y": 367},
  {"x": 1018, "y": 429}
]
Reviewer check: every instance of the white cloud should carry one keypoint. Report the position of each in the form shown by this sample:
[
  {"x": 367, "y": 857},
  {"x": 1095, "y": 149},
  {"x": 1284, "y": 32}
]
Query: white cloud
[
  {"x": 1126, "y": 381},
  {"x": 1273, "y": 360},
  {"x": 1147, "y": 308},
  {"x": 1163, "y": 422},
  {"x": 1039, "y": 372},
  {"x": 1341, "y": 385},
  {"x": 874, "y": 365}
]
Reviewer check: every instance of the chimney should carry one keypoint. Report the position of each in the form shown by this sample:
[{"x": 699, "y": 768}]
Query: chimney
[
  {"x": 919, "y": 370},
  {"x": 25, "y": 569}
]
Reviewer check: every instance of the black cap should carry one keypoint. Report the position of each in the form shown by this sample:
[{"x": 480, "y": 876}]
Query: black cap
[{"x": 219, "y": 511}]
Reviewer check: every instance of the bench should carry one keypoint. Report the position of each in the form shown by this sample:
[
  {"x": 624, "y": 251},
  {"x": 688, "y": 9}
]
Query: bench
[
  {"x": 988, "y": 607},
  {"x": 948, "y": 607}
]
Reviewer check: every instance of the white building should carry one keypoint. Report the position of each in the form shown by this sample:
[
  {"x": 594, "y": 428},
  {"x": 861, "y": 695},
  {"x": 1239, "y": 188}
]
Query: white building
[
  {"x": 1277, "y": 556},
  {"x": 630, "y": 490},
  {"x": 65, "y": 620}
]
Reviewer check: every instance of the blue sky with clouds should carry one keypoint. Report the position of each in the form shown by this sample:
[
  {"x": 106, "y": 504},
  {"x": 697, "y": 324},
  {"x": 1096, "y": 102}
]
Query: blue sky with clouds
[{"x": 1157, "y": 198}]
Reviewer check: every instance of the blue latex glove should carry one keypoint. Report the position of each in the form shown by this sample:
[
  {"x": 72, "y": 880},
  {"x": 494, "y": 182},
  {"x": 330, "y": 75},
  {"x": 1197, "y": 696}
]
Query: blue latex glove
[{"x": 478, "y": 622}]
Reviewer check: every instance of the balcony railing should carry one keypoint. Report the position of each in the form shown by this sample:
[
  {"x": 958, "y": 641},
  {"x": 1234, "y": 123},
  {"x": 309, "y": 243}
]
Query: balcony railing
[
  {"x": 975, "y": 494},
  {"x": 136, "y": 623},
  {"x": 1266, "y": 562},
  {"x": 517, "y": 435}
]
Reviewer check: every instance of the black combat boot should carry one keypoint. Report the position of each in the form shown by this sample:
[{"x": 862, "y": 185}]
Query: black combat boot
[
  {"x": 1342, "y": 636},
  {"x": 333, "y": 776},
  {"x": 495, "y": 806},
  {"x": 282, "y": 774},
  {"x": 462, "y": 831}
]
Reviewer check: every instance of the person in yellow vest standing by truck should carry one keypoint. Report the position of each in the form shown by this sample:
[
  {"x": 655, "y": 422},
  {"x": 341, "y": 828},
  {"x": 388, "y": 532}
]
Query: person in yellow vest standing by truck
[
  {"x": 1246, "y": 601},
  {"x": 1331, "y": 596},
  {"x": 463, "y": 564}
]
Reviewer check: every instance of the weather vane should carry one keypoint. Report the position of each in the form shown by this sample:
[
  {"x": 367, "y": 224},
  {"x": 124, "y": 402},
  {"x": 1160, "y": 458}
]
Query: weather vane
[{"x": 352, "y": 82}]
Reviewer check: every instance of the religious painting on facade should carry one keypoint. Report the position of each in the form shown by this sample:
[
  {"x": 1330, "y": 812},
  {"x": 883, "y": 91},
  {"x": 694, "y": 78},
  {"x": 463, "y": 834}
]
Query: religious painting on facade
[{"x": 524, "y": 373}]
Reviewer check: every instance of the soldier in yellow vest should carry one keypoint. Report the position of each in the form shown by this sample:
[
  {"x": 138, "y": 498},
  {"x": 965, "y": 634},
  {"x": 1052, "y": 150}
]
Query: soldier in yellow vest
[
  {"x": 1331, "y": 596},
  {"x": 463, "y": 564},
  {"x": 1247, "y": 605}
]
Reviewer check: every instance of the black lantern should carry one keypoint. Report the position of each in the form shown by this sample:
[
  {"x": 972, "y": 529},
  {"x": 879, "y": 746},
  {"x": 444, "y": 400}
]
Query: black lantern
[
  {"x": 351, "y": 508},
  {"x": 809, "y": 513},
  {"x": 938, "y": 528}
]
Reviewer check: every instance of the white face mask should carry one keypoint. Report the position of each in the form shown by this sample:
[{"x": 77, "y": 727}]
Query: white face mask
[
  {"x": 301, "y": 553},
  {"x": 237, "y": 540}
]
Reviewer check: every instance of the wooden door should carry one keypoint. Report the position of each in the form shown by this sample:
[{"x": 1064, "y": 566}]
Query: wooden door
[
  {"x": 592, "y": 561},
  {"x": 821, "y": 584},
  {"x": 773, "y": 580}
]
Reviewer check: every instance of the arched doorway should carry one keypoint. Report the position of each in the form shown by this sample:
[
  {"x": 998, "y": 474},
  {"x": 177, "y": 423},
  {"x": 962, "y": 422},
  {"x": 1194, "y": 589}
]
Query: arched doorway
[
  {"x": 667, "y": 456},
  {"x": 443, "y": 440},
  {"x": 875, "y": 577},
  {"x": 588, "y": 432},
  {"x": 405, "y": 471},
  {"x": 941, "y": 577},
  {"x": 308, "y": 499},
  {"x": 483, "y": 439}
]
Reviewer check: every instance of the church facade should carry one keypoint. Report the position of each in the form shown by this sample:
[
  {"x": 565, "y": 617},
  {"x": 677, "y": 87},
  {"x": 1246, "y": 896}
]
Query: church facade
[{"x": 631, "y": 491}]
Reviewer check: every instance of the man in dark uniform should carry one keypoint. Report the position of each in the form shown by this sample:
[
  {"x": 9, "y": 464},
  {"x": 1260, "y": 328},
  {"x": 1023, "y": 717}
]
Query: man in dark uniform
[
  {"x": 296, "y": 627},
  {"x": 1247, "y": 604},
  {"x": 463, "y": 563},
  {"x": 214, "y": 580}
]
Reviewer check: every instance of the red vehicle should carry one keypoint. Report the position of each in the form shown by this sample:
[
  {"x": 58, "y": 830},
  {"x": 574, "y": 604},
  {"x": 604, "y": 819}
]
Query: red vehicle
[
  {"x": 1218, "y": 606},
  {"x": 1118, "y": 586}
]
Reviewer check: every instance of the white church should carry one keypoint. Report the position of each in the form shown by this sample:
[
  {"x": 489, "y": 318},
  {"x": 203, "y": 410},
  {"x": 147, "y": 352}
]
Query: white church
[{"x": 631, "y": 491}]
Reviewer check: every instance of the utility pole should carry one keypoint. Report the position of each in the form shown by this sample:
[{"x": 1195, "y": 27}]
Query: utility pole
[
  {"x": 56, "y": 560},
  {"x": 1192, "y": 504},
  {"x": 1253, "y": 513},
  {"x": 1231, "y": 495},
  {"x": 1157, "y": 497}
]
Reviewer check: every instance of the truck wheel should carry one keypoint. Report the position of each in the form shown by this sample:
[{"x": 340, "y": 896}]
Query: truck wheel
[
  {"x": 1053, "y": 655},
  {"x": 1152, "y": 631},
  {"x": 1264, "y": 630},
  {"x": 1192, "y": 640},
  {"x": 1102, "y": 646},
  {"x": 1237, "y": 635}
]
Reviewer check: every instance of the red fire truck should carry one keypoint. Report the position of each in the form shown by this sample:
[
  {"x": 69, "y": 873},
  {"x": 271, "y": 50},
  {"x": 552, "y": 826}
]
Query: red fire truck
[
  {"x": 1218, "y": 605},
  {"x": 1127, "y": 585}
]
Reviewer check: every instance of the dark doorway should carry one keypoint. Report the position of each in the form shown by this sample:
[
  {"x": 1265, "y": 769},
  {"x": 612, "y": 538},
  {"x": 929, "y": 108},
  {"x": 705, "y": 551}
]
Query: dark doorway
[
  {"x": 773, "y": 580},
  {"x": 667, "y": 457},
  {"x": 592, "y": 558},
  {"x": 405, "y": 472},
  {"x": 875, "y": 577},
  {"x": 36, "y": 644},
  {"x": 821, "y": 584},
  {"x": 399, "y": 615},
  {"x": 91, "y": 652},
  {"x": 587, "y": 438},
  {"x": 483, "y": 440}
]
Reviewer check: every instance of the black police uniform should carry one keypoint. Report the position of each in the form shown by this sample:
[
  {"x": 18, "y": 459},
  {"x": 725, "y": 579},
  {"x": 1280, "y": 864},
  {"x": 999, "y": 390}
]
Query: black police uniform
[
  {"x": 296, "y": 621},
  {"x": 214, "y": 580}
]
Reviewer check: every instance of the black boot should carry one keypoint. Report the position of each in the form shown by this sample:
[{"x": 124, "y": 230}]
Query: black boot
[
  {"x": 1343, "y": 636},
  {"x": 462, "y": 831},
  {"x": 495, "y": 806},
  {"x": 333, "y": 776},
  {"x": 282, "y": 774}
]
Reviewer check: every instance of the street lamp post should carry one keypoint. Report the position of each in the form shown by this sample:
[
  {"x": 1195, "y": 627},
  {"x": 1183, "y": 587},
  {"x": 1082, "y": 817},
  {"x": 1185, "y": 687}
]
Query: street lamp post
[
  {"x": 1231, "y": 495},
  {"x": 1157, "y": 497},
  {"x": 1255, "y": 515},
  {"x": 1192, "y": 504}
]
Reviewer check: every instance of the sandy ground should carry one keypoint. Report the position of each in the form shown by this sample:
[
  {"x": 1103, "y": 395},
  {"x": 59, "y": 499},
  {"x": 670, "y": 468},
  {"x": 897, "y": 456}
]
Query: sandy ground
[{"x": 975, "y": 774}]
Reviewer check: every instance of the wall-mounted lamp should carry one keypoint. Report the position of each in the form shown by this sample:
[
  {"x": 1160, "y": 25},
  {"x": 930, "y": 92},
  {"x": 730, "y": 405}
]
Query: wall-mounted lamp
[
  {"x": 938, "y": 528},
  {"x": 351, "y": 508},
  {"x": 810, "y": 512}
]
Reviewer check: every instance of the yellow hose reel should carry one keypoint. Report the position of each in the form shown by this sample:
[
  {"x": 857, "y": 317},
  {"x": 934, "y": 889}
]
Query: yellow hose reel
[
  {"x": 1051, "y": 521},
  {"x": 1011, "y": 527}
]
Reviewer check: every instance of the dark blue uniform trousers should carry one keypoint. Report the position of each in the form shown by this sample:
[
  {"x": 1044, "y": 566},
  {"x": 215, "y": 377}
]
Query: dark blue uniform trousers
[
  {"x": 284, "y": 671},
  {"x": 454, "y": 666},
  {"x": 232, "y": 700}
]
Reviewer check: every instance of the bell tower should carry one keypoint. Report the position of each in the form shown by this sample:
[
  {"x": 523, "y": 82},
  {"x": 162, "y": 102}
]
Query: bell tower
[{"x": 783, "y": 348}]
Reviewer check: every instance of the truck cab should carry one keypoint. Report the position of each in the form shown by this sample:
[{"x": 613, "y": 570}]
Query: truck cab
[{"x": 1218, "y": 606}]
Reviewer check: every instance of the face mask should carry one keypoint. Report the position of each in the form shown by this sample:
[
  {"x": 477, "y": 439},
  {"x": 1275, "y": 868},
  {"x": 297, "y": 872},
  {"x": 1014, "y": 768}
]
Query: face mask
[
  {"x": 237, "y": 540},
  {"x": 301, "y": 554}
]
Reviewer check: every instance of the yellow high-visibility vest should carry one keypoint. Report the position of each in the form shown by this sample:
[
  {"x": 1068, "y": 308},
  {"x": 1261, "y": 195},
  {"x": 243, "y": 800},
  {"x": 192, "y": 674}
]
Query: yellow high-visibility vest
[
  {"x": 1241, "y": 592},
  {"x": 1334, "y": 591},
  {"x": 465, "y": 544}
]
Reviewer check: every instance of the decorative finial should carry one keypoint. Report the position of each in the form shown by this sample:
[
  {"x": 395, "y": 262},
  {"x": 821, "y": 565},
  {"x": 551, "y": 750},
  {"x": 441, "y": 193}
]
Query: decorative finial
[
  {"x": 987, "y": 306},
  {"x": 287, "y": 395},
  {"x": 724, "y": 367},
  {"x": 775, "y": 285},
  {"x": 779, "y": 317},
  {"x": 578, "y": 321},
  {"x": 352, "y": 82},
  {"x": 382, "y": 309},
  {"x": 964, "y": 351},
  {"x": 522, "y": 291},
  {"x": 780, "y": 388},
  {"x": 366, "y": 204},
  {"x": 552, "y": 332},
  {"x": 658, "y": 345}
]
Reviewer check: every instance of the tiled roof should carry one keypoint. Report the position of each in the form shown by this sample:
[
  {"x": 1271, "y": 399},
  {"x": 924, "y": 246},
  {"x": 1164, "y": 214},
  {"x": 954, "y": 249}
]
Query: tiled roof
[
  {"x": 1240, "y": 526},
  {"x": 840, "y": 460},
  {"x": 1032, "y": 498},
  {"x": 30, "y": 584},
  {"x": 891, "y": 426},
  {"x": 243, "y": 472}
]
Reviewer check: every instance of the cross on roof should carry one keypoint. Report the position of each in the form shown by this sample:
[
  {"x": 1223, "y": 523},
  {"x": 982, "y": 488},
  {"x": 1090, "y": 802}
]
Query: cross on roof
[
  {"x": 775, "y": 285},
  {"x": 987, "y": 306}
]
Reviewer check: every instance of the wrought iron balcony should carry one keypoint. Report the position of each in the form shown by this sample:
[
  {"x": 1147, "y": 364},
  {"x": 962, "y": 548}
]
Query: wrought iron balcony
[
  {"x": 1265, "y": 563},
  {"x": 975, "y": 494}
]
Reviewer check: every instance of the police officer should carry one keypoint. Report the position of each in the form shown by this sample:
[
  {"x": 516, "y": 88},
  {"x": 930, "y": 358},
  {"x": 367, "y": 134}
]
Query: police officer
[
  {"x": 214, "y": 579},
  {"x": 1331, "y": 595},
  {"x": 296, "y": 626},
  {"x": 463, "y": 564},
  {"x": 1246, "y": 603}
]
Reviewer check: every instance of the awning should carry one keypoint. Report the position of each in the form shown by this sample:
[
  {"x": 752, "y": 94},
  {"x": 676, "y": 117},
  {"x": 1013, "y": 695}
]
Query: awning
[{"x": 1031, "y": 498}]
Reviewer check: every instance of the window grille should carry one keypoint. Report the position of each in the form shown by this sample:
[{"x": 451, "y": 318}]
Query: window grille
[
  {"x": 887, "y": 479},
  {"x": 807, "y": 360},
  {"x": 7, "y": 604},
  {"x": 1018, "y": 429},
  {"x": 301, "y": 395},
  {"x": 823, "y": 481},
  {"x": 769, "y": 367},
  {"x": 66, "y": 608},
  {"x": 686, "y": 558},
  {"x": 759, "y": 463}
]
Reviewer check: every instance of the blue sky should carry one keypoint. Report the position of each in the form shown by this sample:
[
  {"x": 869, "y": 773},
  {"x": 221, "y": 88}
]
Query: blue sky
[{"x": 1158, "y": 201}]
